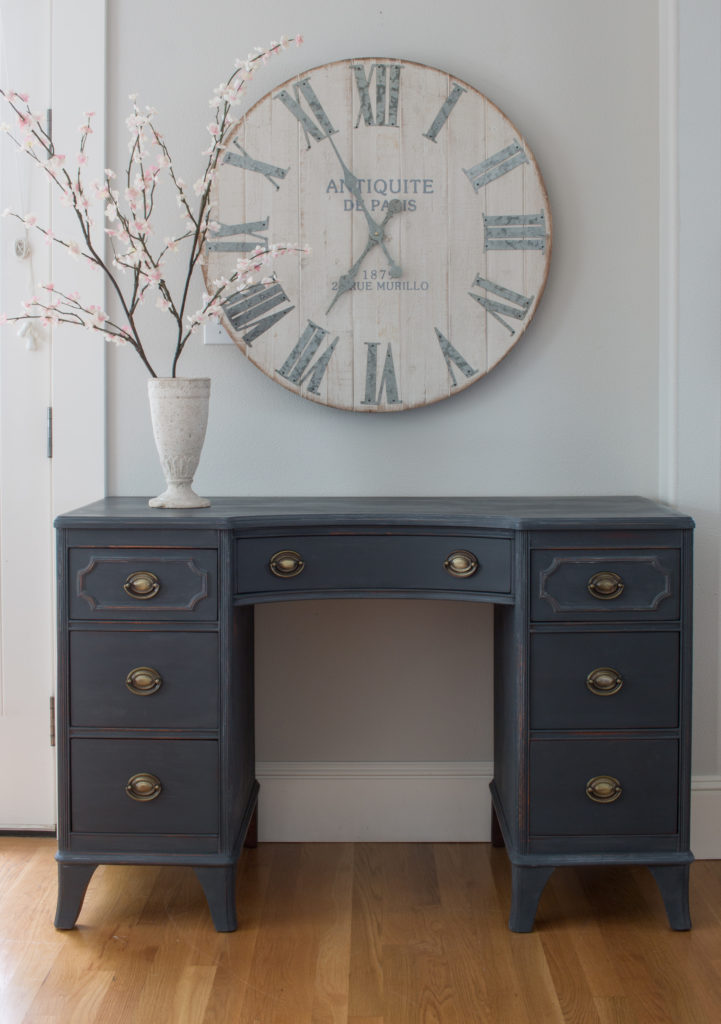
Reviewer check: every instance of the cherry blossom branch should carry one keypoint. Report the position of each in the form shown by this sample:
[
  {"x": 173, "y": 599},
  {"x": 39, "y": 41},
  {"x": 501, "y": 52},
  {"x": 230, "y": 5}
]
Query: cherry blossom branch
[{"x": 128, "y": 236}]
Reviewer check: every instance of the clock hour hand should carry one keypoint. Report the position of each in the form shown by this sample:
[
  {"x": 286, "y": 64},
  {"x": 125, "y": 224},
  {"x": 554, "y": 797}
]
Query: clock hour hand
[
  {"x": 375, "y": 237},
  {"x": 375, "y": 230}
]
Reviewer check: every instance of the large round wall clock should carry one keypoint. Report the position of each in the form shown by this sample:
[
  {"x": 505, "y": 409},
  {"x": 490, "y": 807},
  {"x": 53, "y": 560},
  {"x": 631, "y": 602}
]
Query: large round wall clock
[{"x": 428, "y": 225}]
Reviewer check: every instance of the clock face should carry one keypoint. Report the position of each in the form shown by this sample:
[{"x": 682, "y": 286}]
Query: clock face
[{"x": 428, "y": 225}]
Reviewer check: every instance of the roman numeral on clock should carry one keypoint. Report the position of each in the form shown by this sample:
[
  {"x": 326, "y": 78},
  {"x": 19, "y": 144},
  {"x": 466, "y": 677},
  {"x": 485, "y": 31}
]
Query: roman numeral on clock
[
  {"x": 515, "y": 231},
  {"x": 515, "y": 305},
  {"x": 497, "y": 165},
  {"x": 388, "y": 82},
  {"x": 318, "y": 129},
  {"x": 252, "y": 228},
  {"x": 297, "y": 368},
  {"x": 454, "y": 358},
  {"x": 443, "y": 114},
  {"x": 388, "y": 383},
  {"x": 250, "y": 310},
  {"x": 248, "y": 163}
]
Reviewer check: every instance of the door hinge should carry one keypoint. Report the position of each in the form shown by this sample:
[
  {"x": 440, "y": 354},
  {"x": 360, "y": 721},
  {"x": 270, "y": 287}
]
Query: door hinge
[
  {"x": 52, "y": 721},
  {"x": 50, "y": 432},
  {"x": 49, "y": 123}
]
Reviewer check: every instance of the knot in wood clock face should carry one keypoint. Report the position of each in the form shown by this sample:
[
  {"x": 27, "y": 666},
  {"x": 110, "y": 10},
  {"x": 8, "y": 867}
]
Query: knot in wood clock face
[{"x": 428, "y": 225}]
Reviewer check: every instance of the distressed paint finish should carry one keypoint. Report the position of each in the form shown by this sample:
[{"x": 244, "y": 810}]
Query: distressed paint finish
[
  {"x": 399, "y": 178},
  {"x": 552, "y": 734}
]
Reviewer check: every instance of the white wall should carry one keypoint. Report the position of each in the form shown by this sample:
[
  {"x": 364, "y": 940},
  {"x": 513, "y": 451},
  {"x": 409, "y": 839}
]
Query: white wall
[{"x": 573, "y": 409}]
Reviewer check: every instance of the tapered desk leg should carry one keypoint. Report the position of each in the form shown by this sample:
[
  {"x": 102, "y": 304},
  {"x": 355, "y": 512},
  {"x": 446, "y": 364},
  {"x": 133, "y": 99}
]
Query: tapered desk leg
[
  {"x": 672, "y": 880},
  {"x": 526, "y": 887},
  {"x": 219, "y": 888},
  {"x": 72, "y": 884}
]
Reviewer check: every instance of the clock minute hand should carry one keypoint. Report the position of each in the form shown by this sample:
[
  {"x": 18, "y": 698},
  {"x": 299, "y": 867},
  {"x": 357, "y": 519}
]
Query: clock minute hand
[{"x": 347, "y": 280}]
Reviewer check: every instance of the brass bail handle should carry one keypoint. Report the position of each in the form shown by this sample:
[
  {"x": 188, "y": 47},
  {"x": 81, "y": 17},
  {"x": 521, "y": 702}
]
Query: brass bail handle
[
  {"x": 143, "y": 681},
  {"x": 461, "y": 564},
  {"x": 143, "y": 787},
  {"x": 605, "y": 585},
  {"x": 604, "y": 682},
  {"x": 603, "y": 789},
  {"x": 142, "y": 585},
  {"x": 286, "y": 564}
]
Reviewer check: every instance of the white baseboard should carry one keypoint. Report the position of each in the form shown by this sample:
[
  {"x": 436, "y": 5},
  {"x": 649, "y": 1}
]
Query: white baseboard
[
  {"x": 413, "y": 802},
  {"x": 374, "y": 802},
  {"x": 706, "y": 817}
]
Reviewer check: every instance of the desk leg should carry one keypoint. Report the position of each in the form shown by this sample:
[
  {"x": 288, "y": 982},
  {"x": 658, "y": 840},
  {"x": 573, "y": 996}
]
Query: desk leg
[
  {"x": 219, "y": 888},
  {"x": 73, "y": 882},
  {"x": 527, "y": 884},
  {"x": 672, "y": 880}
]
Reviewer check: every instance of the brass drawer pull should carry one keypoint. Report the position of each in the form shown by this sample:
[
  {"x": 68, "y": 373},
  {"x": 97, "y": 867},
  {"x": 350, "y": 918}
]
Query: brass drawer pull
[
  {"x": 142, "y": 585},
  {"x": 143, "y": 681},
  {"x": 603, "y": 789},
  {"x": 604, "y": 682},
  {"x": 605, "y": 586},
  {"x": 461, "y": 564},
  {"x": 286, "y": 564},
  {"x": 143, "y": 787}
]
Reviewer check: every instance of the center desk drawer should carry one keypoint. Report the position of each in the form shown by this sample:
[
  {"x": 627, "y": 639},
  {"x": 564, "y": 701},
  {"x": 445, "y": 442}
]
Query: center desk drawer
[
  {"x": 373, "y": 563},
  {"x": 137, "y": 583}
]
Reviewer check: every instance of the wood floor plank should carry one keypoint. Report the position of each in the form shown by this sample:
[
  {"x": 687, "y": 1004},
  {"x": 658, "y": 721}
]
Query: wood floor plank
[{"x": 356, "y": 934}]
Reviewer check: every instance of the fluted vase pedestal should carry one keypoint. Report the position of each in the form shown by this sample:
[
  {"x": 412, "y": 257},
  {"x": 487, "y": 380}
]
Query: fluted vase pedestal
[{"x": 179, "y": 414}]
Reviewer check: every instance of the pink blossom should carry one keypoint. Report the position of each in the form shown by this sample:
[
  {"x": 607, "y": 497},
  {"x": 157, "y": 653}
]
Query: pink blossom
[
  {"x": 3, "y": 318},
  {"x": 30, "y": 220},
  {"x": 73, "y": 248},
  {"x": 214, "y": 129},
  {"x": 82, "y": 158}
]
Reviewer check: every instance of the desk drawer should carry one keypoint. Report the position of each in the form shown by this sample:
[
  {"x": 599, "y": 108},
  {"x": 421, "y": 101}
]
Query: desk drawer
[
  {"x": 144, "y": 680},
  {"x": 135, "y": 583},
  {"x": 373, "y": 563},
  {"x": 561, "y": 770},
  {"x": 604, "y": 680},
  {"x": 623, "y": 584},
  {"x": 187, "y": 771}
]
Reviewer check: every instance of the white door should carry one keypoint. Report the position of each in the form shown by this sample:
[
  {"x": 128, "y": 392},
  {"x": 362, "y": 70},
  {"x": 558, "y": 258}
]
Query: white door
[
  {"x": 26, "y": 543},
  {"x": 39, "y": 43}
]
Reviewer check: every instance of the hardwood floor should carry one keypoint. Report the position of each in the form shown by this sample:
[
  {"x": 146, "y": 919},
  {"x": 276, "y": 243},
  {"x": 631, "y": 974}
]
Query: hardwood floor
[{"x": 355, "y": 934}]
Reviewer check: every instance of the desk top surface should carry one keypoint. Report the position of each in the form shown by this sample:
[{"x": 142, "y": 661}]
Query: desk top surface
[{"x": 511, "y": 513}]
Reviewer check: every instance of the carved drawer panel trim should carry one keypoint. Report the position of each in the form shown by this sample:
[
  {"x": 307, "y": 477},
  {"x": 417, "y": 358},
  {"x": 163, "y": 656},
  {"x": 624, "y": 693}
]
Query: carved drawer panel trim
[{"x": 152, "y": 584}]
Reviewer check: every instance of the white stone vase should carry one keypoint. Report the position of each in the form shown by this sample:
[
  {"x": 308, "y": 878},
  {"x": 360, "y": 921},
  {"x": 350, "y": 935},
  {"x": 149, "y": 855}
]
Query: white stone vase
[{"x": 179, "y": 413}]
